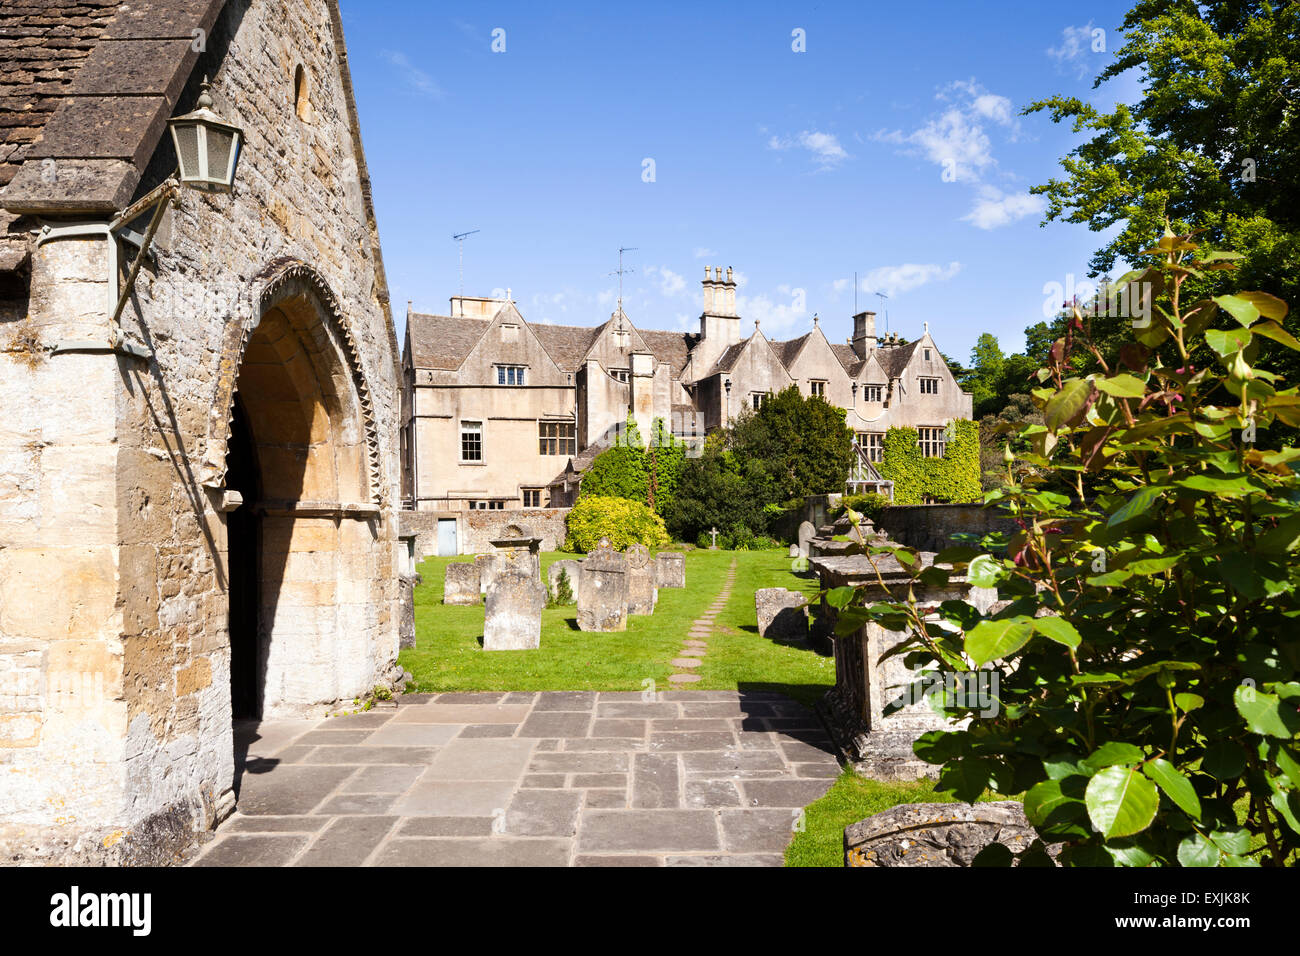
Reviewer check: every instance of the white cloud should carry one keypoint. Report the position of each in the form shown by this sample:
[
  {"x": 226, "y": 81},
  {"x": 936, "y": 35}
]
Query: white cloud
[
  {"x": 955, "y": 139},
  {"x": 895, "y": 280},
  {"x": 840, "y": 286},
  {"x": 670, "y": 283},
  {"x": 1073, "y": 53},
  {"x": 995, "y": 208},
  {"x": 824, "y": 147},
  {"x": 775, "y": 318},
  {"x": 703, "y": 253},
  {"x": 416, "y": 79}
]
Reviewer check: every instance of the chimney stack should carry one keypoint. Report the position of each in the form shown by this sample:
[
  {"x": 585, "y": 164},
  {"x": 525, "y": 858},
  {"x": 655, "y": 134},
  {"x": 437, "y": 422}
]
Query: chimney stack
[{"x": 864, "y": 333}]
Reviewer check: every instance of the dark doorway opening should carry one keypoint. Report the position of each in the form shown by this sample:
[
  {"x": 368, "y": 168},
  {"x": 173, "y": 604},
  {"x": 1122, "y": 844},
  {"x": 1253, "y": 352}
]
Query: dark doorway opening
[{"x": 243, "y": 533}]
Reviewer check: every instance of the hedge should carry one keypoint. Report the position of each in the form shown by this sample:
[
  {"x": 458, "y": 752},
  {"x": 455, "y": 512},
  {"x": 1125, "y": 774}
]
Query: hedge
[{"x": 955, "y": 477}]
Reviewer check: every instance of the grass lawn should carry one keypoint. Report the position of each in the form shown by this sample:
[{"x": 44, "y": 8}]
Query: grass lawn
[
  {"x": 850, "y": 799},
  {"x": 449, "y": 656}
]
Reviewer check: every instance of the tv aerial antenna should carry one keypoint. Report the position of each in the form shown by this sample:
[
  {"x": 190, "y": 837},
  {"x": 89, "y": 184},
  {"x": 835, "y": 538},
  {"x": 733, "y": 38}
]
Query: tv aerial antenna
[
  {"x": 460, "y": 242},
  {"x": 621, "y": 271}
]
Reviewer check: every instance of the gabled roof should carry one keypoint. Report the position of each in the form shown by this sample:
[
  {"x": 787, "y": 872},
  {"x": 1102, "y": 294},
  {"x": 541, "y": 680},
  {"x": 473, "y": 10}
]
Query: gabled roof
[
  {"x": 727, "y": 360},
  {"x": 567, "y": 345},
  {"x": 89, "y": 84},
  {"x": 849, "y": 359},
  {"x": 787, "y": 352},
  {"x": 443, "y": 341},
  {"x": 894, "y": 359},
  {"x": 673, "y": 348}
]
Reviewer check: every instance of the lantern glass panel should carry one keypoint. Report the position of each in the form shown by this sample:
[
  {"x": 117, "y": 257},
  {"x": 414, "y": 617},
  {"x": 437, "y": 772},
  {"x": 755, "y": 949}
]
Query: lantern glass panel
[
  {"x": 187, "y": 148},
  {"x": 220, "y": 143}
]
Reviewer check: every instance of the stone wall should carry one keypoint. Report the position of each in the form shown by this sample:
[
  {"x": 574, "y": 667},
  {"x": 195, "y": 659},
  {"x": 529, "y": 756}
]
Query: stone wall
[
  {"x": 932, "y": 527},
  {"x": 479, "y": 528},
  {"x": 115, "y": 718}
]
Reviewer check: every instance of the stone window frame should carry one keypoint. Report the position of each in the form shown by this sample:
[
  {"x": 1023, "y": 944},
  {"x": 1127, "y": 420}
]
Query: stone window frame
[
  {"x": 531, "y": 493},
  {"x": 928, "y": 384},
  {"x": 873, "y": 443},
  {"x": 472, "y": 428},
  {"x": 488, "y": 504},
  {"x": 507, "y": 372},
  {"x": 757, "y": 399},
  {"x": 932, "y": 440},
  {"x": 926, "y": 355},
  {"x": 623, "y": 375},
  {"x": 564, "y": 438},
  {"x": 868, "y": 388},
  {"x": 817, "y": 386}
]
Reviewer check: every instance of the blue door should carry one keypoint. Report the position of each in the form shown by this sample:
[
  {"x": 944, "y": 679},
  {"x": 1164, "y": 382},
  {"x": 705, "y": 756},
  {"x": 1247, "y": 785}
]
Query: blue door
[{"x": 447, "y": 537}]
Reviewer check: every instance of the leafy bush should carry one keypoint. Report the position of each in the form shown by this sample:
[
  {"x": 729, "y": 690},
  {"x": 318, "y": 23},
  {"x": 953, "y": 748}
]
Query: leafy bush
[
  {"x": 1149, "y": 676},
  {"x": 563, "y": 593},
  {"x": 870, "y": 505},
  {"x": 622, "y": 521},
  {"x": 630, "y": 470}
]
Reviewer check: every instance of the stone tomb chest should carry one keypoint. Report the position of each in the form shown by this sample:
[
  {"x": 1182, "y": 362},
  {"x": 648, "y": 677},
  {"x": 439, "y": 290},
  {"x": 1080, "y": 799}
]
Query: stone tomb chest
[{"x": 602, "y": 590}]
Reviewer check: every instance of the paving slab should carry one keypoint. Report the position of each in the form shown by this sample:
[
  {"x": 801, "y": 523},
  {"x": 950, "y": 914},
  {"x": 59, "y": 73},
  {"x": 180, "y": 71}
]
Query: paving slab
[{"x": 683, "y": 778}]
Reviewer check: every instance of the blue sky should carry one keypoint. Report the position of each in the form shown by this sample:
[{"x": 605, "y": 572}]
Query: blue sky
[{"x": 795, "y": 168}]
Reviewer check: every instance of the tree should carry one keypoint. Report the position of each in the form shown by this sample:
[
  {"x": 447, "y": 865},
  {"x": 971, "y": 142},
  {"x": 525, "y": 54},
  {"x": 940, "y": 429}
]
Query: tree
[
  {"x": 985, "y": 374},
  {"x": 803, "y": 443},
  {"x": 1212, "y": 145}
]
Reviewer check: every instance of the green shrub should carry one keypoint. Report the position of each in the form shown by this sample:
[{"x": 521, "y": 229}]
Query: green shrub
[
  {"x": 870, "y": 505},
  {"x": 622, "y": 521}
]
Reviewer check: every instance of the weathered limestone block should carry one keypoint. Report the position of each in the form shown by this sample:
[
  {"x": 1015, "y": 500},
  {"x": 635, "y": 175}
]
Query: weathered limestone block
[
  {"x": 406, "y": 629},
  {"x": 806, "y": 533},
  {"x": 936, "y": 834},
  {"x": 670, "y": 569},
  {"x": 602, "y": 590},
  {"x": 486, "y": 564},
  {"x": 572, "y": 569},
  {"x": 641, "y": 591},
  {"x": 874, "y": 711},
  {"x": 461, "y": 583},
  {"x": 782, "y": 614},
  {"x": 513, "y": 615}
]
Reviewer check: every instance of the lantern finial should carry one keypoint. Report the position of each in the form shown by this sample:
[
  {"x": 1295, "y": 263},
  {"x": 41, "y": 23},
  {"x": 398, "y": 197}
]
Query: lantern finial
[{"x": 205, "y": 99}]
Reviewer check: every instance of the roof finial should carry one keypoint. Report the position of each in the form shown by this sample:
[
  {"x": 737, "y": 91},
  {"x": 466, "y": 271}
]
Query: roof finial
[
  {"x": 927, "y": 327},
  {"x": 508, "y": 299},
  {"x": 814, "y": 318}
]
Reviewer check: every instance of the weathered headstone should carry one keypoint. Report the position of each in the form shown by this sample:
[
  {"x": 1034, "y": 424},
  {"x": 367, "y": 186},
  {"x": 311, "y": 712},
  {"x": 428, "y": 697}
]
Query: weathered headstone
[
  {"x": 937, "y": 834},
  {"x": 641, "y": 591},
  {"x": 670, "y": 569},
  {"x": 517, "y": 550},
  {"x": 806, "y": 533},
  {"x": 714, "y": 545},
  {"x": 782, "y": 615},
  {"x": 486, "y": 565},
  {"x": 602, "y": 590},
  {"x": 406, "y": 630},
  {"x": 794, "y": 551},
  {"x": 513, "y": 616},
  {"x": 461, "y": 583},
  {"x": 572, "y": 569}
]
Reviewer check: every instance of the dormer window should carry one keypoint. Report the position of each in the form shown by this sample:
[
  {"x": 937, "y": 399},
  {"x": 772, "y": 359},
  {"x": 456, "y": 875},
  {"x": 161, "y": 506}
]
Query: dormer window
[
  {"x": 873, "y": 393},
  {"x": 510, "y": 375},
  {"x": 929, "y": 386}
]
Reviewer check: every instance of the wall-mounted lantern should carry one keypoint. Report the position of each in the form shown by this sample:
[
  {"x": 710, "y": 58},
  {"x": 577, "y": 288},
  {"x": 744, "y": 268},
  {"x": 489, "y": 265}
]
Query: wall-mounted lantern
[{"x": 207, "y": 147}]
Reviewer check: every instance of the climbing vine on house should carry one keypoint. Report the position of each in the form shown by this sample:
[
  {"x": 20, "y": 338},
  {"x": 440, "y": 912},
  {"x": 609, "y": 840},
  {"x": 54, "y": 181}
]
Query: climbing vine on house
[
  {"x": 633, "y": 471},
  {"x": 916, "y": 478}
]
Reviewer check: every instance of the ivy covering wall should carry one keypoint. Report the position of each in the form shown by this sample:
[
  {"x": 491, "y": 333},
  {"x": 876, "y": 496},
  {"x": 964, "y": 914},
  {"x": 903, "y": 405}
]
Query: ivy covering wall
[{"x": 954, "y": 477}]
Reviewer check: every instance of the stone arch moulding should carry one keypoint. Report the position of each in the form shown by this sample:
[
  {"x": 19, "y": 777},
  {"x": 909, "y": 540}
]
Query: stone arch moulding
[{"x": 280, "y": 280}]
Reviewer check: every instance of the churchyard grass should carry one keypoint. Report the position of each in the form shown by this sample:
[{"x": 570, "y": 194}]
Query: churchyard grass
[
  {"x": 850, "y": 799},
  {"x": 449, "y": 657}
]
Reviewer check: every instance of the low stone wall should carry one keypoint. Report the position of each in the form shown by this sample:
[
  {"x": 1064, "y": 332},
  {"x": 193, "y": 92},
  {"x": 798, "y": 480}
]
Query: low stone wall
[
  {"x": 932, "y": 527},
  {"x": 478, "y": 528}
]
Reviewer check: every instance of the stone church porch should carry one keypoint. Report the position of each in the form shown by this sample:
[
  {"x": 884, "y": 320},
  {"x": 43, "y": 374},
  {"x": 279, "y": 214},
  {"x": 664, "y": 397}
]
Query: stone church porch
[{"x": 577, "y": 778}]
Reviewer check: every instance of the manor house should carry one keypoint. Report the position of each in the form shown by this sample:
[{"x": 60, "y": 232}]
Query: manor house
[{"x": 502, "y": 414}]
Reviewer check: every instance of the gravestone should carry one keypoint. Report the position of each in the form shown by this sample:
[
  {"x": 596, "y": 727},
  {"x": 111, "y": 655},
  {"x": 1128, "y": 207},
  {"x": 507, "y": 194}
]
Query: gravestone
[
  {"x": 513, "y": 616},
  {"x": 670, "y": 569},
  {"x": 782, "y": 615},
  {"x": 515, "y": 595},
  {"x": 641, "y": 591},
  {"x": 602, "y": 590},
  {"x": 461, "y": 583},
  {"x": 571, "y": 568},
  {"x": 406, "y": 631},
  {"x": 794, "y": 551},
  {"x": 806, "y": 533},
  {"x": 937, "y": 834},
  {"x": 485, "y": 563},
  {"x": 714, "y": 533}
]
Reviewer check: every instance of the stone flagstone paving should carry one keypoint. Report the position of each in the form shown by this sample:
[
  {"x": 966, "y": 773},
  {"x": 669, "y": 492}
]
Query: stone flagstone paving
[
  {"x": 701, "y": 627},
  {"x": 569, "y": 778}
]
